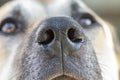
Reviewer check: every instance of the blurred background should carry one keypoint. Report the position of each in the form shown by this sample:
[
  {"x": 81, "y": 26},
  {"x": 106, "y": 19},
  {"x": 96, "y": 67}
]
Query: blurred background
[{"x": 107, "y": 9}]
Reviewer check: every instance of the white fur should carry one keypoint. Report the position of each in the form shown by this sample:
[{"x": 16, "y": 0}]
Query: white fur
[
  {"x": 110, "y": 69},
  {"x": 31, "y": 9},
  {"x": 55, "y": 8},
  {"x": 7, "y": 71}
]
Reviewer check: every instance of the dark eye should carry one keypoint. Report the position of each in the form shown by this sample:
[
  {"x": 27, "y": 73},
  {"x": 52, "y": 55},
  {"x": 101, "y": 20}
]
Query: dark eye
[
  {"x": 8, "y": 26},
  {"x": 86, "y": 20}
]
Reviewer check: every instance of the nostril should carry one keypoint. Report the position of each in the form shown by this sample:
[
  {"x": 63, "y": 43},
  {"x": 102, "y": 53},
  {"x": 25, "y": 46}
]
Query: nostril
[
  {"x": 46, "y": 37},
  {"x": 74, "y": 36}
]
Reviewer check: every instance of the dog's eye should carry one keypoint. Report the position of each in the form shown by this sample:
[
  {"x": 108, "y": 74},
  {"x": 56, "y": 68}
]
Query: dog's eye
[
  {"x": 8, "y": 26},
  {"x": 86, "y": 20}
]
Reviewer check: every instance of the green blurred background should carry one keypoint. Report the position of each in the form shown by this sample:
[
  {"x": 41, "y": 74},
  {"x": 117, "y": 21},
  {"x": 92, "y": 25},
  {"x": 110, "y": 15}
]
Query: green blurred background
[{"x": 107, "y": 9}]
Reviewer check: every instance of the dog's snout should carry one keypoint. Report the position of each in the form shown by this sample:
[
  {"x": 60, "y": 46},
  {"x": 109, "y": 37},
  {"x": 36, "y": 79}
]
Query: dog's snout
[{"x": 61, "y": 30}]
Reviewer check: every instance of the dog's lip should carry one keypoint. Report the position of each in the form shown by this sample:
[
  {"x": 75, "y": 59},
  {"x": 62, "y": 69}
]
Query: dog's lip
[{"x": 63, "y": 77}]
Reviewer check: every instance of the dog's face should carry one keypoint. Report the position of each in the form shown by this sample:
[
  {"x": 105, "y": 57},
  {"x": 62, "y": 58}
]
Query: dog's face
[{"x": 54, "y": 40}]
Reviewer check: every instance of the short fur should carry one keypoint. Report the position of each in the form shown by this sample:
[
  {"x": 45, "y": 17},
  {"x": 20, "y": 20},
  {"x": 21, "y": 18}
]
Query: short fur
[{"x": 25, "y": 56}]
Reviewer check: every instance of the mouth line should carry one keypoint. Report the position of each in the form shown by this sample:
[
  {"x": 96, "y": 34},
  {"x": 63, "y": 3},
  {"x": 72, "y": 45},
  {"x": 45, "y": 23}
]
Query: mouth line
[{"x": 63, "y": 77}]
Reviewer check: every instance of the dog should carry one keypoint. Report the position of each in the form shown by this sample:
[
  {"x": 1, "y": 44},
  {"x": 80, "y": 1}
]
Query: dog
[{"x": 55, "y": 40}]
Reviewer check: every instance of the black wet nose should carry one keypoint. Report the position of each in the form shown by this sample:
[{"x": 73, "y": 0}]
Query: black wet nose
[{"x": 61, "y": 30}]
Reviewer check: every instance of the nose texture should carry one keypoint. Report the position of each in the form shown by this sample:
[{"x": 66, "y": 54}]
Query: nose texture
[{"x": 60, "y": 30}]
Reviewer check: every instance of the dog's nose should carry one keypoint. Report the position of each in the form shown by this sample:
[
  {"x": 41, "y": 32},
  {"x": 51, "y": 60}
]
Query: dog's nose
[{"x": 62, "y": 31}]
